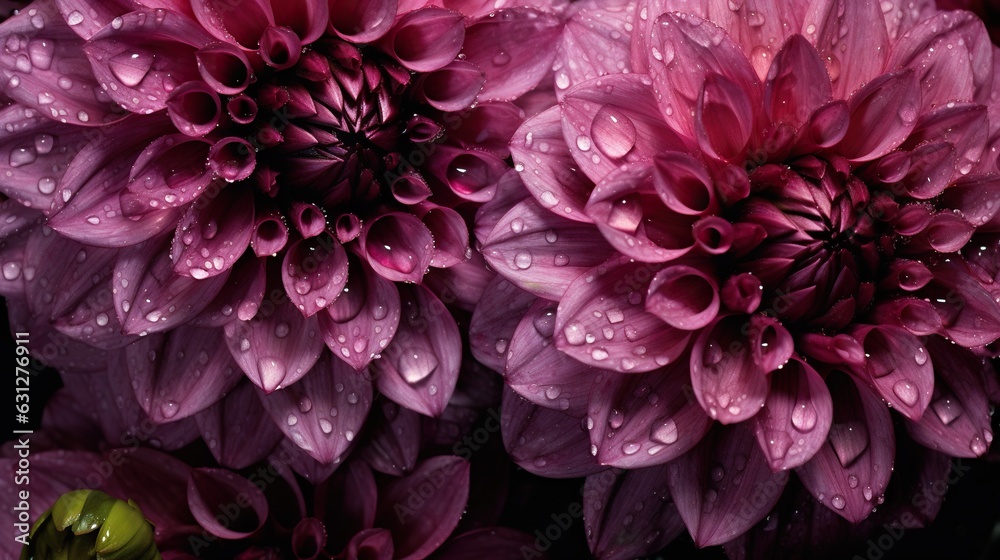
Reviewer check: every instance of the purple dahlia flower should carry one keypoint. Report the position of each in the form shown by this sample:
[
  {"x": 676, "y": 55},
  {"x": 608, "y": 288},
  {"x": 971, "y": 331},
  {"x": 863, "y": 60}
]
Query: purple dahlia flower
[
  {"x": 746, "y": 235},
  {"x": 207, "y": 188}
]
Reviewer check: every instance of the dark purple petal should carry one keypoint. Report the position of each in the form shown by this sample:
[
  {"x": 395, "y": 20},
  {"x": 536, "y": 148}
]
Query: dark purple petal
[
  {"x": 398, "y": 246},
  {"x": 194, "y": 108},
  {"x": 645, "y": 419},
  {"x": 419, "y": 369},
  {"x": 724, "y": 486},
  {"x": 314, "y": 273},
  {"x": 213, "y": 234},
  {"x": 501, "y": 542},
  {"x": 684, "y": 297},
  {"x": 226, "y": 425},
  {"x": 494, "y": 321},
  {"x": 275, "y": 348},
  {"x": 169, "y": 173},
  {"x": 243, "y": 26},
  {"x": 602, "y": 320},
  {"x": 224, "y": 67},
  {"x": 629, "y": 514},
  {"x": 544, "y": 442},
  {"x": 425, "y": 40},
  {"x": 852, "y": 471},
  {"x": 210, "y": 491},
  {"x": 352, "y": 501},
  {"x": 897, "y": 367},
  {"x": 796, "y": 417},
  {"x": 363, "y": 21},
  {"x": 393, "y": 440},
  {"x": 242, "y": 294},
  {"x": 308, "y": 538},
  {"x": 730, "y": 385},
  {"x": 420, "y": 525}
]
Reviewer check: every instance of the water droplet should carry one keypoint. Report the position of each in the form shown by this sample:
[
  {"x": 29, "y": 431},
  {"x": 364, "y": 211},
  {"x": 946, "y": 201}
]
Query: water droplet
[
  {"x": 325, "y": 425},
  {"x": 11, "y": 270},
  {"x": 305, "y": 404},
  {"x": 292, "y": 420},
  {"x": 415, "y": 365},
  {"x": 838, "y": 502},
  {"x": 613, "y": 131},
  {"x": 616, "y": 419},
  {"x": 718, "y": 473},
  {"x": 281, "y": 330},
  {"x": 804, "y": 417},
  {"x": 664, "y": 431},
  {"x": 574, "y": 333},
  {"x": 921, "y": 356},
  {"x": 978, "y": 446},
  {"x": 583, "y": 142},
  {"x": 906, "y": 391},
  {"x": 631, "y": 448},
  {"x": 502, "y": 58},
  {"x": 852, "y": 481},
  {"x": 522, "y": 260},
  {"x": 867, "y": 492},
  {"x": 130, "y": 67},
  {"x": 169, "y": 409},
  {"x": 46, "y": 185},
  {"x": 74, "y": 18},
  {"x": 22, "y": 156}
]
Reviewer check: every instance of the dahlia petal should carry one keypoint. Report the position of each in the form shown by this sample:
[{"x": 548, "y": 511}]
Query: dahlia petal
[
  {"x": 796, "y": 417},
  {"x": 539, "y": 372},
  {"x": 352, "y": 499},
  {"x": 375, "y": 544},
  {"x": 963, "y": 125},
  {"x": 602, "y": 322},
  {"x": 393, "y": 440},
  {"x": 224, "y": 425},
  {"x": 275, "y": 348},
  {"x": 970, "y": 314},
  {"x": 549, "y": 171},
  {"x": 931, "y": 167},
  {"x": 308, "y": 538},
  {"x": 418, "y": 531},
  {"x": 977, "y": 198},
  {"x": 270, "y": 234},
  {"x": 633, "y": 218},
  {"x": 611, "y": 500},
  {"x": 852, "y": 471},
  {"x": 495, "y": 320},
  {"x": 514, "y": 49},
  {"x": 307, "y": 18},
  {"x": 303, "y": 463},
  {"x": 724, "y": 119},
  {"x": 208, "y": 489},
  {"x": 76, "y": 13},
  {"x": 314, "y": 272},
  {"x": 729, "y": 384},
  {"x": 960, "y": 424},
  {"x": 194, "y": 108},
  {"x": 160, "y": 479},
  {"x": 903, "y": 15},
  {"x": 503, "y": 544},
  {"x": 510, "y": 190},
  {"x": 540, "y": 252},
  {"x": 363, "y": 320},
  {"x": 419, "y": 369},
  {"x": 851, "y": 38},
  {"x": 181, "y": 373},
  {"x": 470, "y": 174},
  {"x": 398, "y": 246},
  {"x": 596, "y": 39},
  {"x": 462, "y": 285},
  {"x": 150, "y": 297},
  {"x": 97, "y": 176},
  {"x": 707, "y": 483},
  {"x": 40, "y": 151},
  {"x": 213, "y": 234},
  {"x": 785, "y": 98},
  {"x": 324, "y": 411},
  {"x": 170, "y": 172},
  {"x": 145, "y": 55},
  {"x": 243, "y": 26},
  {"x": 52, "y": 347},
  {"x": 828, "y": 124},
  {"x": 545, "y": 442},
  {"x": 450, "y": 233},
  {"x": 646, "y": 419},
  {"x": 897, "y": 368},
  {"x": 684, "y": 297},
  {"x": 425, "y": 40},
  {"x": 961, "y": 72},
  {"x": 242, "y": 294},
  {"x": 742, "y": 293},
  {"x": 42, "y": 51},
  {"x": 604, "y": 130},
  {"x": 452, "y": 88},
  {"x": 684, "y": 184},
  {"x": 946, "y": 232},
  {"x": 363, "y": 21},
  {"x": 691, "y": 40},
  {"x": 759, "y": 26},
  {"x": 883, "y": 113},
  {"x": 280, "y": 47},
  {"x": 918, "y": 471},
  {"x": 488, "y": 127}
]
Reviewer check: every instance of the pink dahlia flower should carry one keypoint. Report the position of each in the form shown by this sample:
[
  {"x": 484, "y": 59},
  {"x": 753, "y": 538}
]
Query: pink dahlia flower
[
  {"x": 260, "y": 188},
  {"x": 752, "y": 237}
]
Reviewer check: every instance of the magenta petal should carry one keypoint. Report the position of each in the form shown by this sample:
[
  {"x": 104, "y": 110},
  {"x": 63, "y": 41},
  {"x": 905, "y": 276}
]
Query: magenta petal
[
  {"x": 796, "y": 417},
  {"x": 970, "y": 315},
  {"x": 596, "y": 38},
  {"x": 515, "y": 48},
  {"x": 540, "y": 252},
  {"x": 538, "y": 371},
  {"x": 180, "y": 373},
  {"x": 425, "y": 40},
  {"x": 420, "y": 526},
  {"x": 371, "y": 544},
  {"x": 602, "y": 322},
  {"x": 393, "y": 440},
  {"x": 501, "y": 542},
  {"x": 453, "y": 87},
  {"x": 629, "y": 515},
  {"x": 224, "y": 67},
  {"x": 419, "y": 369},
  {"x": 240, "y": 297},
  {"x": 724, "y": 119},
  {"x": 314, "y": 272},
  {"x": 398, "y": 246},
  {"x": 852, "y": 471},
  {"x": 684, "y": 297},
  {"x": 851, "y": 38},
  {"x": 324, "y": 411},
  {"x": 883, "y": 113},
  {"x": 308, "y": 539},
  {"x": 363, "y": 21},
  {"x": 450, "y": 233},
  {"x": 550, "y": 172},
  {"x": 209, "y": 490},
  {"x": 785, "y": 99},
  {"x": 684, "y": 185},
  {"x": 194, "y": 108},
  {"x": 707, "y": 484},
  {"x": 679, "y": 40},
  {"x": 363, "y": 320},
  {"x": 150, "y": 297},
  {"x": 303, "y": 463},
  {"x": 170, "y": 172},
  {"x": 145, "y": 56},
  {"x": 224, "y": 427},
  {"x": 606, "y": 129},
  {"x": 243, "y": 26},
  {"x": 727, "y": 381},
  {"x": 213, "y": 234},
  {"x": 489, "y": 127},
  {"x": 471, "y": 174},
  {"x": 960, "y": 423},
  {"x": 494, "y": 321},
  {"x": 42, "y": 50},
  {"x": 270, "y": 234},
  {"x": 646, "y": 419},
  {"x": 101, "y": 14},
  {"x": 544, "y": 442},
  {"x": 276, "y": 348}
]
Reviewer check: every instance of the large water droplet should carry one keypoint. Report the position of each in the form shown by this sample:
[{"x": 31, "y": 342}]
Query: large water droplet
[
  {"x": 169, "y": 409},
  {"x": 130, "y": 67},
  {"x": 849, "y": 441},
  {"x": 778, "y": 443},
  {"x": 415, "y": 365},
  {"x": 664, "y": 431},
  {"x": 838, "y": 502},
  {"x": 906, "y": 391},
  {"x": 625, "y": 215},
  {"x": 613, "y": 132},
  {"x": 947, "y": 410},
  {"x": 804, "y": 417}
]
